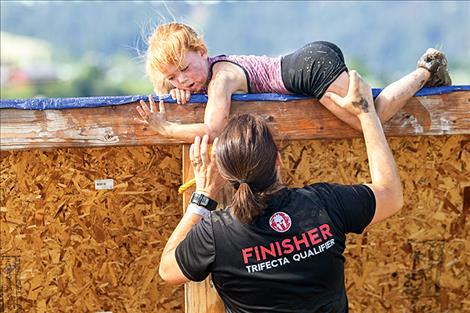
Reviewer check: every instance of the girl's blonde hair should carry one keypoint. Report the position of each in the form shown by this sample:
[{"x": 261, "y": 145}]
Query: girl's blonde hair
[{"x": 167, "y": 46}]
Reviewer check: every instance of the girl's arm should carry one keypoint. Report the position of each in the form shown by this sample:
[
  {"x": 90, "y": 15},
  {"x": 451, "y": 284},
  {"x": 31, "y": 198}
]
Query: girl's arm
[{"x": 227, "y": 79}]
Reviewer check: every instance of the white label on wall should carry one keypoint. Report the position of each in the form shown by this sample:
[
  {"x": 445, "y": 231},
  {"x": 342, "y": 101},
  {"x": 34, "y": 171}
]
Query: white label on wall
[{"x": 101, "y": 184}]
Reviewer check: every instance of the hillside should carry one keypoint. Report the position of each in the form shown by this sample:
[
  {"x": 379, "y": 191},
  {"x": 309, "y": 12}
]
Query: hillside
[{"x": 385, "y": 38}]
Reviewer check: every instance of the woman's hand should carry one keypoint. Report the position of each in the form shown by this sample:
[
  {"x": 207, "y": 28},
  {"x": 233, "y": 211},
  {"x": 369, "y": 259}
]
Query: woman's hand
[
  {"x": 153, "y": 117},
  {"x": 359, "y": 98},
  {"x": 208, "y": 179},
  {"x": 182, "y": 96}
]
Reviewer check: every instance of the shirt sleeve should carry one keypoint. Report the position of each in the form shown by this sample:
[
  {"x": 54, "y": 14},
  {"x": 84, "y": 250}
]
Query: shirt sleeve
[
  {"x": 196, "y": 253},
  {"x": 351, "y": 207}
]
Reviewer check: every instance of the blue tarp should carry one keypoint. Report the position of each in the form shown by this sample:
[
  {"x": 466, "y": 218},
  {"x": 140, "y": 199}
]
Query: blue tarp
[{"x": 91, "y": 102}]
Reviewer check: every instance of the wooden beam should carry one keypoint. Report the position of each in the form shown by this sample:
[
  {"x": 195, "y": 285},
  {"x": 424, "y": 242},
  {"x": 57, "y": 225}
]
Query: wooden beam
[
  {"x": 291, "y": 120},
  {"x": 201, "y": 297}
]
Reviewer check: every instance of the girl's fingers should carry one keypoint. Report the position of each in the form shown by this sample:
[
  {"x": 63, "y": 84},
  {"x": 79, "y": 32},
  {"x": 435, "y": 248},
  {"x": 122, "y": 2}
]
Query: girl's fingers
[
  {"x": 177, "y": 95},
  {"x": 161, "y": 106},
  {"x": 139, "y": 121},
  {"x": 181, "y": 96},
  {"x": 142, "y": 113},
  {"x": 144, "y": 107},
  {"x": 153, "y": 107},
  {"x": 142, "y": 103}
]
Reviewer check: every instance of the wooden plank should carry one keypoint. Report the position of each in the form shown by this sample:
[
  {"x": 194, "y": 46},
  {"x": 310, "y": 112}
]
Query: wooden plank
[
  {"x": 292, "y": 120},
  {"x": 199, "y": 297}
]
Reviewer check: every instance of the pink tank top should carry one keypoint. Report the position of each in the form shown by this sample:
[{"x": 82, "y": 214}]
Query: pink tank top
[{"x": 262, "y": 73}]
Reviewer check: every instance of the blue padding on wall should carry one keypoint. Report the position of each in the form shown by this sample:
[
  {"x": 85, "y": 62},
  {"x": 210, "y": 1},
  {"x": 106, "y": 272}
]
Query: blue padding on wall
[{"x": 91, "y": 102}]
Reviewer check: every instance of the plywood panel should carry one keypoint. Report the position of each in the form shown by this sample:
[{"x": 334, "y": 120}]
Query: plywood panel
[
  {"x": 417, "y": 260},
  {"x": 66, "y": 247}
]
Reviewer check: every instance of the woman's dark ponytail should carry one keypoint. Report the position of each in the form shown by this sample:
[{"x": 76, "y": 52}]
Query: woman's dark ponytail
[
  {"x": 246, "y": 205},
  {"x": 246, "y": 156}
]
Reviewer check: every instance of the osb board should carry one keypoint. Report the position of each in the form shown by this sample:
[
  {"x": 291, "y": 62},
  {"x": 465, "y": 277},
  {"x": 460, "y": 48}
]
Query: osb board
[
  {"x": 418, "y": 260},
  {"x": 66, "y": 247},
  {"x": 84, "y": 250}
]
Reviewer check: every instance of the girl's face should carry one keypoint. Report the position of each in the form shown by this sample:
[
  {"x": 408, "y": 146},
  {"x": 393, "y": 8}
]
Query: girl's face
[{"x": 191, "y": 74}]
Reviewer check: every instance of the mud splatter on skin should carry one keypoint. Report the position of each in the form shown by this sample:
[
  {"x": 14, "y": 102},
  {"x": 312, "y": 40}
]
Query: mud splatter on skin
[{"x": 362, "y": 104}]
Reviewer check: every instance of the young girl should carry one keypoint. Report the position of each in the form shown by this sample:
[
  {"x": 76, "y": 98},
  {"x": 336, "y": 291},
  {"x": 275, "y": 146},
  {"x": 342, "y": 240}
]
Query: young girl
[{"x": 178, "y": 63}]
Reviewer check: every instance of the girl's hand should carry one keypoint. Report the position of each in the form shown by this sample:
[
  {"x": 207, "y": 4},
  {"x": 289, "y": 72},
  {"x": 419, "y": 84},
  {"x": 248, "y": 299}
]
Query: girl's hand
[
  {"x": 208, "y": 179},
  {"x": 359, "y": 98},
  {"x": 153, "y": 117},
  {"x": 182, "y": 96}
]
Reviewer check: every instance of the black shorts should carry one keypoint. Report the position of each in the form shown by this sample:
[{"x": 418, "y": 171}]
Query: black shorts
[{"x": 311, "y": 69}]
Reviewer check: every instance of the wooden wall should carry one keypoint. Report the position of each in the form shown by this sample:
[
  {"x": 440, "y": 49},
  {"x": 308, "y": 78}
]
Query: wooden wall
[
  {"x": 418, "y": 260},
  {"x": 66, "y": 247},
  {"x": 78, "y": 249}
]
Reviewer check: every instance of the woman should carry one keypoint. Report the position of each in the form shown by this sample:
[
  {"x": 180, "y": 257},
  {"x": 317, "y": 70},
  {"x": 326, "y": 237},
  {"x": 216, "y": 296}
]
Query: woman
[{"x": 278, "y": 249}]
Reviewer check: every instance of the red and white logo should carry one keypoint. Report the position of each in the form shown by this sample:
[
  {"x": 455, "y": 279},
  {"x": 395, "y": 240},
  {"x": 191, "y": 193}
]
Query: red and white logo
[{"x": 280, "y": 222}]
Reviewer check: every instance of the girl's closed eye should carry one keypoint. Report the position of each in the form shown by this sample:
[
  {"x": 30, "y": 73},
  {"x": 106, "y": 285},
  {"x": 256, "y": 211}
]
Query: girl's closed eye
[{"x": 185, "y": 68}]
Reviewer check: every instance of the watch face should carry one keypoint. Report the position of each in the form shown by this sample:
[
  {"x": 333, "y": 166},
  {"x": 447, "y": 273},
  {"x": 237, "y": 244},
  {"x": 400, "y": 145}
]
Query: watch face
[{"x": 203, "y": 201}]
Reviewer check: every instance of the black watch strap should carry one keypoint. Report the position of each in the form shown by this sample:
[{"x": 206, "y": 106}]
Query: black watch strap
[{"x": 203, "y": 201}]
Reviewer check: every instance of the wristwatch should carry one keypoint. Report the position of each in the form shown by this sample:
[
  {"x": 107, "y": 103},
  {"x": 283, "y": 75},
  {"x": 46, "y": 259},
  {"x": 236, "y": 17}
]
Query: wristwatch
[{"x": 203, "y": 201}]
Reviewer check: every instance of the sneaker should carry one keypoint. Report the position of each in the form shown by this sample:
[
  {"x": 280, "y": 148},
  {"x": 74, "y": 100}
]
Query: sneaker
[{"x": 435, "y": 62}]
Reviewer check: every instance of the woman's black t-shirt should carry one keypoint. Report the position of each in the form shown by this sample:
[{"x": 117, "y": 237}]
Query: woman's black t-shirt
[{"x": 290, "y": 259}]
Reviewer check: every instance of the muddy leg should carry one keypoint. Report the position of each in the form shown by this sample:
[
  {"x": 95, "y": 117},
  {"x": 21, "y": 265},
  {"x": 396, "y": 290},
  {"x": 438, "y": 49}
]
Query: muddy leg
[
  {"x": 395, "y": 95},
  {"x": 432, "y": 71}
]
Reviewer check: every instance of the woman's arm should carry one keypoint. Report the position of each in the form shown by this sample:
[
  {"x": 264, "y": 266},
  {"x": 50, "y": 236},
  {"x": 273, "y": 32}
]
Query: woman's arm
[
  {"x": 208, "y": 182},
  {"x": 386, "y": 183},
  {"x": 169, "y": 270}
]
